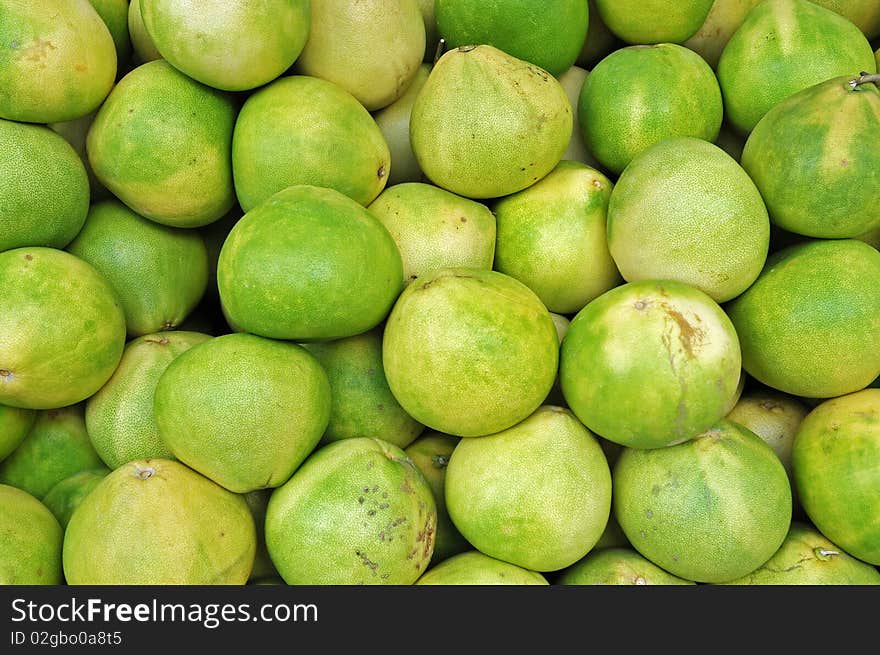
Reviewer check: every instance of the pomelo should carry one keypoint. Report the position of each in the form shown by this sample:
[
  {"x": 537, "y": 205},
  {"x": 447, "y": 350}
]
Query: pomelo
[
  {"x": 309, "y": 263},
  {"x": 358, "y": 511},
  {"x": 263, "y": 568},
  {"x": 393, "y": 121},
  {"x": 469, "y": 352},
  {"x": 157, "y": 522},
  {"x": 487, "y": 124},
  {"x": 599, "y": 42},
  {"x": 62, "y": 329},
  {"x": 572, "y": 81},
  {"x": 653, "y": 21},
  {"x": 723, "y": 20},
  {"x": 141, "y": 41},
  {"x": 15, "y": 423},
  {"x": 243, "y": 410},
  {"x": 114, "y": 13},
  {"x": 66, "y": 495},
  {"x": 650, "y": 364},
  {"x": 75, "y": 133},
  {"x": 618, "y": 566},
  {"x": 432, "y": 37},
  {"x": 865, "y": 14},
  {"x": 474, "y": 568},
  {"x": 30, "y": 540},
  {"x": 711, "y": 509}
]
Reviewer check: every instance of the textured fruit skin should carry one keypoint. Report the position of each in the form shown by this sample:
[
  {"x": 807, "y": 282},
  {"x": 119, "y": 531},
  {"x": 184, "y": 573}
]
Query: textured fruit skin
[
  {"x": 684, "y": 210},
  {"x": 475, "y": 568},
  {"x": 667, "y": 340},
  {"x": 469, "y": 352},
  {"x": 810, "y": 324},
  {"x": 572, "y": 82},
  {"x": 549, "y": 34},
  {"x": 807, "y": 557},
  {"x": 44, "y": 197},
  {"x": 283, "y": 138},
  {"x": 826, "y": 136},
  {"x": 258, "y": 502},
  {"x": 30, "y": 540},
  {"x": 66, "y": 495},
  {"x": 119, "y": 417},
  {"x": 358, "y": 511},
  {"x": 114, "y": 13},
  {"x": 161, "y": 144},
  {"x": 638, "y": 96},
  {"x": 157, "y": 522},
  {"x": 834, "y": 460},
  {"x": 537, "y": 495},
  {"x": 711, "y": 509},
  {"x": 618, "y": 566},
  {"x": 15, "y": 423},
  {"x": 160, "y": 273},
  {"x": 723, "y": 19},
  {"x": 362, "y": 405},
  {"x": 782, "y": 47},
  {"x": 141, "y": 42},
  {"x": 57, "y": 60},
  {"x": 371, "y": 48},
  {"x": 243, "y": 410},
  {"x": 864, "y": 13},
  {"x": 434, "y": 228},
  {"x": 393, "y": 121},
  {"x": 62, "y": 329},
  {"x": 551, "y": 237},
  {"x": 653, "y": 21},
  {"x": 233, "y": 46},
  {"x": 308, "y": 264},
  {"x": 487, "y": 124}
]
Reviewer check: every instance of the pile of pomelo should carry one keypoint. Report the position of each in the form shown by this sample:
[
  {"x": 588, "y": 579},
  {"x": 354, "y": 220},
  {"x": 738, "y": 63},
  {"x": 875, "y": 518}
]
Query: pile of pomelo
[{"x": 455, "y": 292}]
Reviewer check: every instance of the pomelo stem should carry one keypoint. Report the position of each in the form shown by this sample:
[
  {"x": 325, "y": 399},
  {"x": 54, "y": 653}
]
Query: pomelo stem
[
  {"x": 441, "y": 46},
  {"x": 865, "y": 79}
]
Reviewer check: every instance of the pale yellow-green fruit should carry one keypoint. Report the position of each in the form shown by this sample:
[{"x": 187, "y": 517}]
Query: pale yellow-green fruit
[
  {"x": 142, "y": 43},
  {"x": 393, "y": 121},
  {"x": 865, "y": 14},
  {"x": 724, "y": 18},
  {"x": 572, "y": 81},
  {"x": 432, "y": 35},
  {"x": 475, "y": 568}
]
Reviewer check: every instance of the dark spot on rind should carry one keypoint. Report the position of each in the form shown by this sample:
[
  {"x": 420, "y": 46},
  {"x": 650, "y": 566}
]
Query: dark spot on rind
[
  {"x": 29, "y": 257},
  {"x": 381, "y": 172}
]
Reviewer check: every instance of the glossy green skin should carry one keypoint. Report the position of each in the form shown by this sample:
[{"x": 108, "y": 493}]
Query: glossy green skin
[
  {"x": 638, "y": 96},
  {"x": 157, "y": 522},
  {"x": 161, "y": 144},
  {"x": 469, "y": 352},
  {"x": 57, "y": 60},
  {"x": 653, "y": 21},
  {"x": 826, "y": 136},
  {"x": 114, "y": 13},
  {"x": 711, "y": 509},
  {"x": 263, "y": 568},
  {"x": 30, "y": 540},
  {"x": 864, "y": 13},
  {"x": 521, "y": 28},
  {"x": 308, "y": 264},
  {"x": 618, "y": 566},
  {"x": 243, "y": 410},
  {"x": 362, "y": 405},
  {"x": 810, "y": 324},
  {"x": 283, "y": 138},
  {"x": 160, "y": 273},
  {"x": 668, "y": 341},
  {"x": 782, "y": 47},
  {"x": 358, "y": 511},
  {"x": 15, "y": 423},
  {"x": 234, "y": 46},
  {"x": 62, "y": 329},
  {"x": 44, "y": 197},
  {"x": 119, "y": 417},
  {"x": 834, "y": 460},
  {"x": 475, "y": 568},
  {"x": 63, "y": 498}
]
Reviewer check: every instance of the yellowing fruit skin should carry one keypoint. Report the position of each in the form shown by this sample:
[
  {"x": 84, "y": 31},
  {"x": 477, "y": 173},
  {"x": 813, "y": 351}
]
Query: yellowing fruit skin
[
  {"x": 723, "y": 20},
  {"x": 475, "y": 568},
  {"x": 865, "y": 14},
  {"x": 653, "y": 21},
  {"x": 618, "y": 565},
  {"x": 30, "y": 540},
  {"x": 15, "y": 423},
  {"x": 393, "y": 120}
]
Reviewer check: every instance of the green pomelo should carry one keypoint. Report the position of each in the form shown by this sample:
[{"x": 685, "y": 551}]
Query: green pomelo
[
  {"x": 731, "y": 141},
  {"x": 712, "y": 509},
  {"x": 393, "y": 121},
  {"x": 431, "y": 453},
  {"x": 62, "y": 329},
  {"x": 30, "y": 540},
  {"x": 44, "y": 197},
  {"x": 157, "y": 522},
  {"x": 723, "y": 20},
  {"x": 75, "y": 133},
  {"x": 824, "y": 137},
  {"x": 469, "y": 352},
  {"x": 57, "y": 60},
  {"x": 475, "y": 568},
  {"x": 639, "y": 96},
  {"x": 555, "y": 397},
  {"x": 487, "y": 124},
  {"x": 263, "y": 568},
  {"x": 618, "y": 566},
  {"x": 141, "y": 42},
  {"x": 371, "y": 48},
  {"x": 865, "y": 14},
  {"x": 65, "y": 496},
  {"x": 119, "y": 417},
  {"x": 114, "y": 13},
  {"x": 233, "y": 45},
  {"x": 161, "y": 144},
  {"x": 357, "y": 511},
  {"x": 782, "y": 47},
  {"x": 650, "y": 364},
  {"x": 283, "y": 138},
  {"x": 551, "y": 237},
  {"x": 807, "y": 557},
  {"x": 432, "y": 36},
  {"x": 548, "y": 34},
  {"x": 434, "y": 228},
  {"x": 537, "y": 495},
  {"x": 308, "y": 264},
  {"x": 215, "y": 236},
  {"x": 56, "y": 447},
  {"x": 599, "y": 42},
  {"x": 810, "y": 324},
  {"x": 572, "y": 81},
  {"x": 653, "y": 21},
  {"x": 243, "y": 410},
  {"x": 613, "y": 536},
  {"x": 362, "y": 405},
  {"x": 834, "y": 460},
  {"x": 15, "y": 424}
]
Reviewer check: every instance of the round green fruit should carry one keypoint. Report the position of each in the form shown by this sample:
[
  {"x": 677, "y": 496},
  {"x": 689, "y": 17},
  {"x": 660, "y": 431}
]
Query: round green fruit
[
  {"x": 393, "y": 121},
  {"x": 618, "y": 566},
  {"x": 653, "y": 21},
  {"x": 63, "y": 498},
  {"x": 475, "y": 568},
  {"x": 30, "y": 540},
  {"x": 15, "y": 423}
]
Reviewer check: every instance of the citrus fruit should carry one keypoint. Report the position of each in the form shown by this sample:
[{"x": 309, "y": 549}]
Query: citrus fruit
[
  {"x": 572, "y": 81},
  {"x": 653, "y": 21},
  {"x": 30, "y": 540},
  {"x": 263, "y": 568},
  {"x": 618, "y": 566},
  {"x": 723, "y": 19},
  {"x": 599, "y": 42},
  {"x": 15, "y": 423},
  {"x": 66, "y": 495},
  {"x": 393, "y": 121},
  {"x": 865, "y": 14},
  {"x": 141, "y": 42},
  {"x": 114, "y": 13},
  {"x": 475, "y": 568}
]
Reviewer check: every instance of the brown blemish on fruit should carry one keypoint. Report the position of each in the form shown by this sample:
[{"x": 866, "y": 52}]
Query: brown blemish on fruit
[
  {"x": 381, "y": 172},
  {"x": 29, "y": 257},
  {"x": 769, "y": 405},
  {"x": 463, "y": 219},
  {"x": 844, "y": 163},
  {"x": 439, "y": 461},
  {"x": 38, "y": 51},
  {"x": 162, "y": 342},
  {"x": 367, "y": 561},
  {"x": 144, "y": 473},
  {"x": 406, "y": 486},
  {"x": 4, "y": 373},
  {"x": 688, "y": 335},
  {"x": 641, "y": 305}
]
